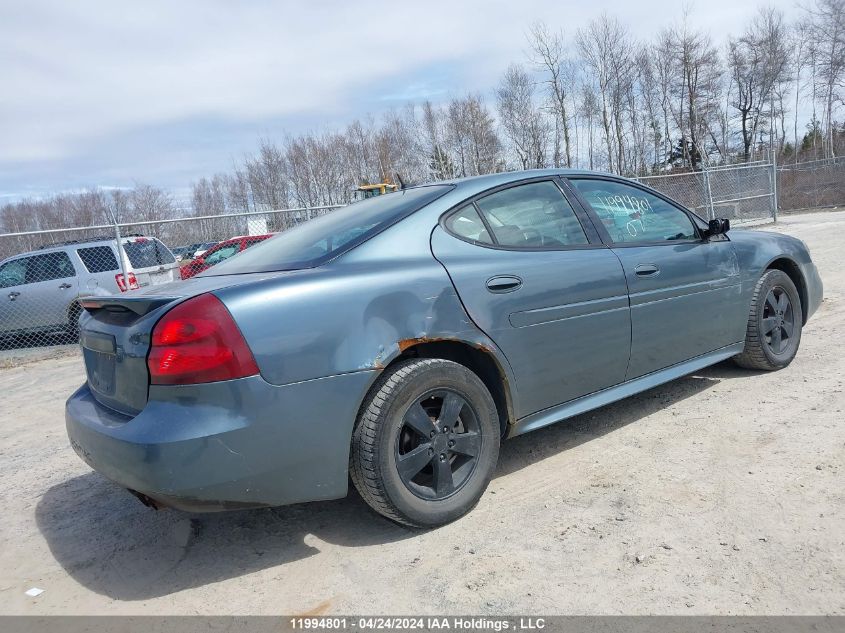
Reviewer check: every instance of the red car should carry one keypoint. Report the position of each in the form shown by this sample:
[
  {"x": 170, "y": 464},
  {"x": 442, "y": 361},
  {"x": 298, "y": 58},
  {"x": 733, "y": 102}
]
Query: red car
[{"x": 219, "y": 252}]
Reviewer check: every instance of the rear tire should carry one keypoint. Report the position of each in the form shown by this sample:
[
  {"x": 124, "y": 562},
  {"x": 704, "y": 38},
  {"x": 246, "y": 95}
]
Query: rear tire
[
  {"x": 426, "y": 443},
  {"x": 773, "y": 333}
]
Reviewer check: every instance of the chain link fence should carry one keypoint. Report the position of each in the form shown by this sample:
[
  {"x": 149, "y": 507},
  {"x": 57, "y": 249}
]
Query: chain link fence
[
  {"x": 813, "y": 184},
  {"x": 44, "y": 273},
  {"x": 744, "y": 193}
]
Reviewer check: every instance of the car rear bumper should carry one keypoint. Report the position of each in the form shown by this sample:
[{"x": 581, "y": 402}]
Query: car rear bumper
[{"x": 233, "y": 444}]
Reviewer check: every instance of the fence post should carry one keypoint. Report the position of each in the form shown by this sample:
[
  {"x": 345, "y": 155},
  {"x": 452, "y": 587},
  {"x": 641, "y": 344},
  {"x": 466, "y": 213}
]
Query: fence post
[
  {"x": 711, "y": 212},
  {"x": 120, "y": 252},
  {"x": 774, "y": 186}
]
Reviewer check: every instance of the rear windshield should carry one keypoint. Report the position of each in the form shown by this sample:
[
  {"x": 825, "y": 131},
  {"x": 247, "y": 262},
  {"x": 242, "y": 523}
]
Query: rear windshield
[
  {"x": 147, "y": 252},
  {"x": 317, "y": 241}
]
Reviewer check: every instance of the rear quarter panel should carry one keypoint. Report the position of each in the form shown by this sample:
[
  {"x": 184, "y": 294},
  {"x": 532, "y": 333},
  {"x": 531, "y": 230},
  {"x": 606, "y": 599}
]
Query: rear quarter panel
[{"x": 357, "y": 313}]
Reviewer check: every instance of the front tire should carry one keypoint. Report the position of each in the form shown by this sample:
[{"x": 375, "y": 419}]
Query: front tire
[
  {"x": 426, "y": 443},
  {"x": 773, "y": 333}
]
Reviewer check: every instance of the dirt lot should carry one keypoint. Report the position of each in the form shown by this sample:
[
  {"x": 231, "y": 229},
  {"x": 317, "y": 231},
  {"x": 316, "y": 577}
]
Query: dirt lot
[{"x": 721, "y": 493}]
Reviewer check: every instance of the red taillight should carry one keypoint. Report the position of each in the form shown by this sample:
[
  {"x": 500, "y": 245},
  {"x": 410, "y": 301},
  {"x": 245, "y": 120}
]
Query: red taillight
[
  {"x": 121, "y": 282},
  {"x": 198, "y": 341}
]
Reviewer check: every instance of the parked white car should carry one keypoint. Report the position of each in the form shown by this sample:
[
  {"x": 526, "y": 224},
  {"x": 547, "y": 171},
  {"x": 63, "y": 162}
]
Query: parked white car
[{"x": 40, "y": 290}]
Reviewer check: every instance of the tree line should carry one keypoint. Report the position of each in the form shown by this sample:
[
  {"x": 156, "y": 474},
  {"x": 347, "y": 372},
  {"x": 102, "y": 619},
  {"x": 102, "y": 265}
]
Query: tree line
[{"x": 596, "y": 98}]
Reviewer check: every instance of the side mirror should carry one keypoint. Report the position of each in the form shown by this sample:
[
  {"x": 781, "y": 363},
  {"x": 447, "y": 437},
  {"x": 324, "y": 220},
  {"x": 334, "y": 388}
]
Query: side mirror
[{"x": 718, "y": 227}]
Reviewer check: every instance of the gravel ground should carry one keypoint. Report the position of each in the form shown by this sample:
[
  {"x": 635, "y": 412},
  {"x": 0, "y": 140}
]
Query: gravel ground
[
  {"x": 15, "y": 354},
  {"x": 720, "y": 493}
]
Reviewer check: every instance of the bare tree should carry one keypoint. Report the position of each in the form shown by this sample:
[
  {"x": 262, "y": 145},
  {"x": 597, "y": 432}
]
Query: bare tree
[
  {"x": 602, "y": 100},
  {"x": 827, "y": 28},
  {"x": 550, "y": 56},
  {"x": 267, "y": 175},
  {"x": 589, "y": 107},
  {"x": 757, "y": 62},
  {"x": 650, "y": 98},
  {"x": 441, "y": 166},
  {"x": 238, "y": 194},
  {"x": 208, "y": 195},
  {"x": 472, "y": 137},
  {"x": 522, "y": 121},
  {"x": 666, "y": 75},
  {"x": 606, "y": 48},
  {"x": 696, "y": 95}
]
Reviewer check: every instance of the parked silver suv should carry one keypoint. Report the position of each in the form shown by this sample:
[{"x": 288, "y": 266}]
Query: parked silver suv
[{"x": 39, "y": 290}]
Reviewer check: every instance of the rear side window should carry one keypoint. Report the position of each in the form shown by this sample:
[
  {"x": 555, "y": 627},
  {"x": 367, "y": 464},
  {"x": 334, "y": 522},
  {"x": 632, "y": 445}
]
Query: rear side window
[
  {"x": 466, "y": 223},
  {"x": 49, "y": 266},
  {"x": 534, "y": 215},
  {"x": 147, "y": 252},
  {"x": 98, "y": 259}
]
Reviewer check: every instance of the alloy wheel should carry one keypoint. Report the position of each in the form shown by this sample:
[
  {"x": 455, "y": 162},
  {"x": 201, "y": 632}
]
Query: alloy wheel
[
  {"x": 438, "y": 444},
  {"x": 778, "y": 320}
]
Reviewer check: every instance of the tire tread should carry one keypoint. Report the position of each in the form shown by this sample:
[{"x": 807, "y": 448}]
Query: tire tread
[
  {"x": 364, "y": 458},
  {"x": 754, "y": 355}
]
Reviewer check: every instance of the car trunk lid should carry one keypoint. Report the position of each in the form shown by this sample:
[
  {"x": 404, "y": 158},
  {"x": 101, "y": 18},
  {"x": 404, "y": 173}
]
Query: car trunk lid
[{"x": 115, "y": 335}]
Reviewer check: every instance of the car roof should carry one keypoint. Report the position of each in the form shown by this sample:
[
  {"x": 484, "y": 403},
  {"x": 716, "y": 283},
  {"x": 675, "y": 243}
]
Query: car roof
[
  {"x": 476, "y": 184},
  {"x": 58, "y": 247},
  {"x": 510, "y": 176},
  {"x": 245, "y": 237},
  {"x": 47, "y": 248},
  {"x": 223, "y": 242}
]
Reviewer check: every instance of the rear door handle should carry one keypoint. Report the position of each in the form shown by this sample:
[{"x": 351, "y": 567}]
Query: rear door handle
[
  {"x": 503, "y": 283},
  {"x": 647, "y": 270},
  {"x": 13, "y": 295},
  {"x": 65, "y": 286}
]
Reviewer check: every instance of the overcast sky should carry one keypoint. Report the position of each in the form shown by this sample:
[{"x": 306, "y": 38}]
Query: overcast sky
[{"x": 104, "y": 93}]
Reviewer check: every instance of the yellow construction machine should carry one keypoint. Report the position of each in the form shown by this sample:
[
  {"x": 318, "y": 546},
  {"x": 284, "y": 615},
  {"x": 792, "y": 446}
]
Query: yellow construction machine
[{"x": 370, "y": 191}]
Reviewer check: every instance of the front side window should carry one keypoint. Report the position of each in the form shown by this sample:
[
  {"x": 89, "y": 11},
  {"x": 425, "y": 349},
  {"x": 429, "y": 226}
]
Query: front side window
[
  {"x": 49, "y": 266},
  {"x": 632, "y": 215},
  {"x": 534, "y": 215},
  {"x": 13, "y": 273},
  {"x": 98, "y": 259}
]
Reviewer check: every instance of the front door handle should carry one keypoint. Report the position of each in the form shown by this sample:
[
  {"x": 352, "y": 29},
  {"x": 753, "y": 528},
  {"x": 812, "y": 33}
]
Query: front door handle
[
  {"x": 647, "y": 270},
  {"x": 13, "y": 295},
  {"x": 65, "y": 286},
  {"x": 503, "y": 283}
]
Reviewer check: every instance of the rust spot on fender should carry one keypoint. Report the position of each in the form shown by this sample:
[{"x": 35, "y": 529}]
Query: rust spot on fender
[{"x": 406, "y": 343}]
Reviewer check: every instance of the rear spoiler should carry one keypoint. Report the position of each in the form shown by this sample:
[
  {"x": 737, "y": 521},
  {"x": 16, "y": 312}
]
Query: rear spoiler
[{"x": 138, "y": 305}]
